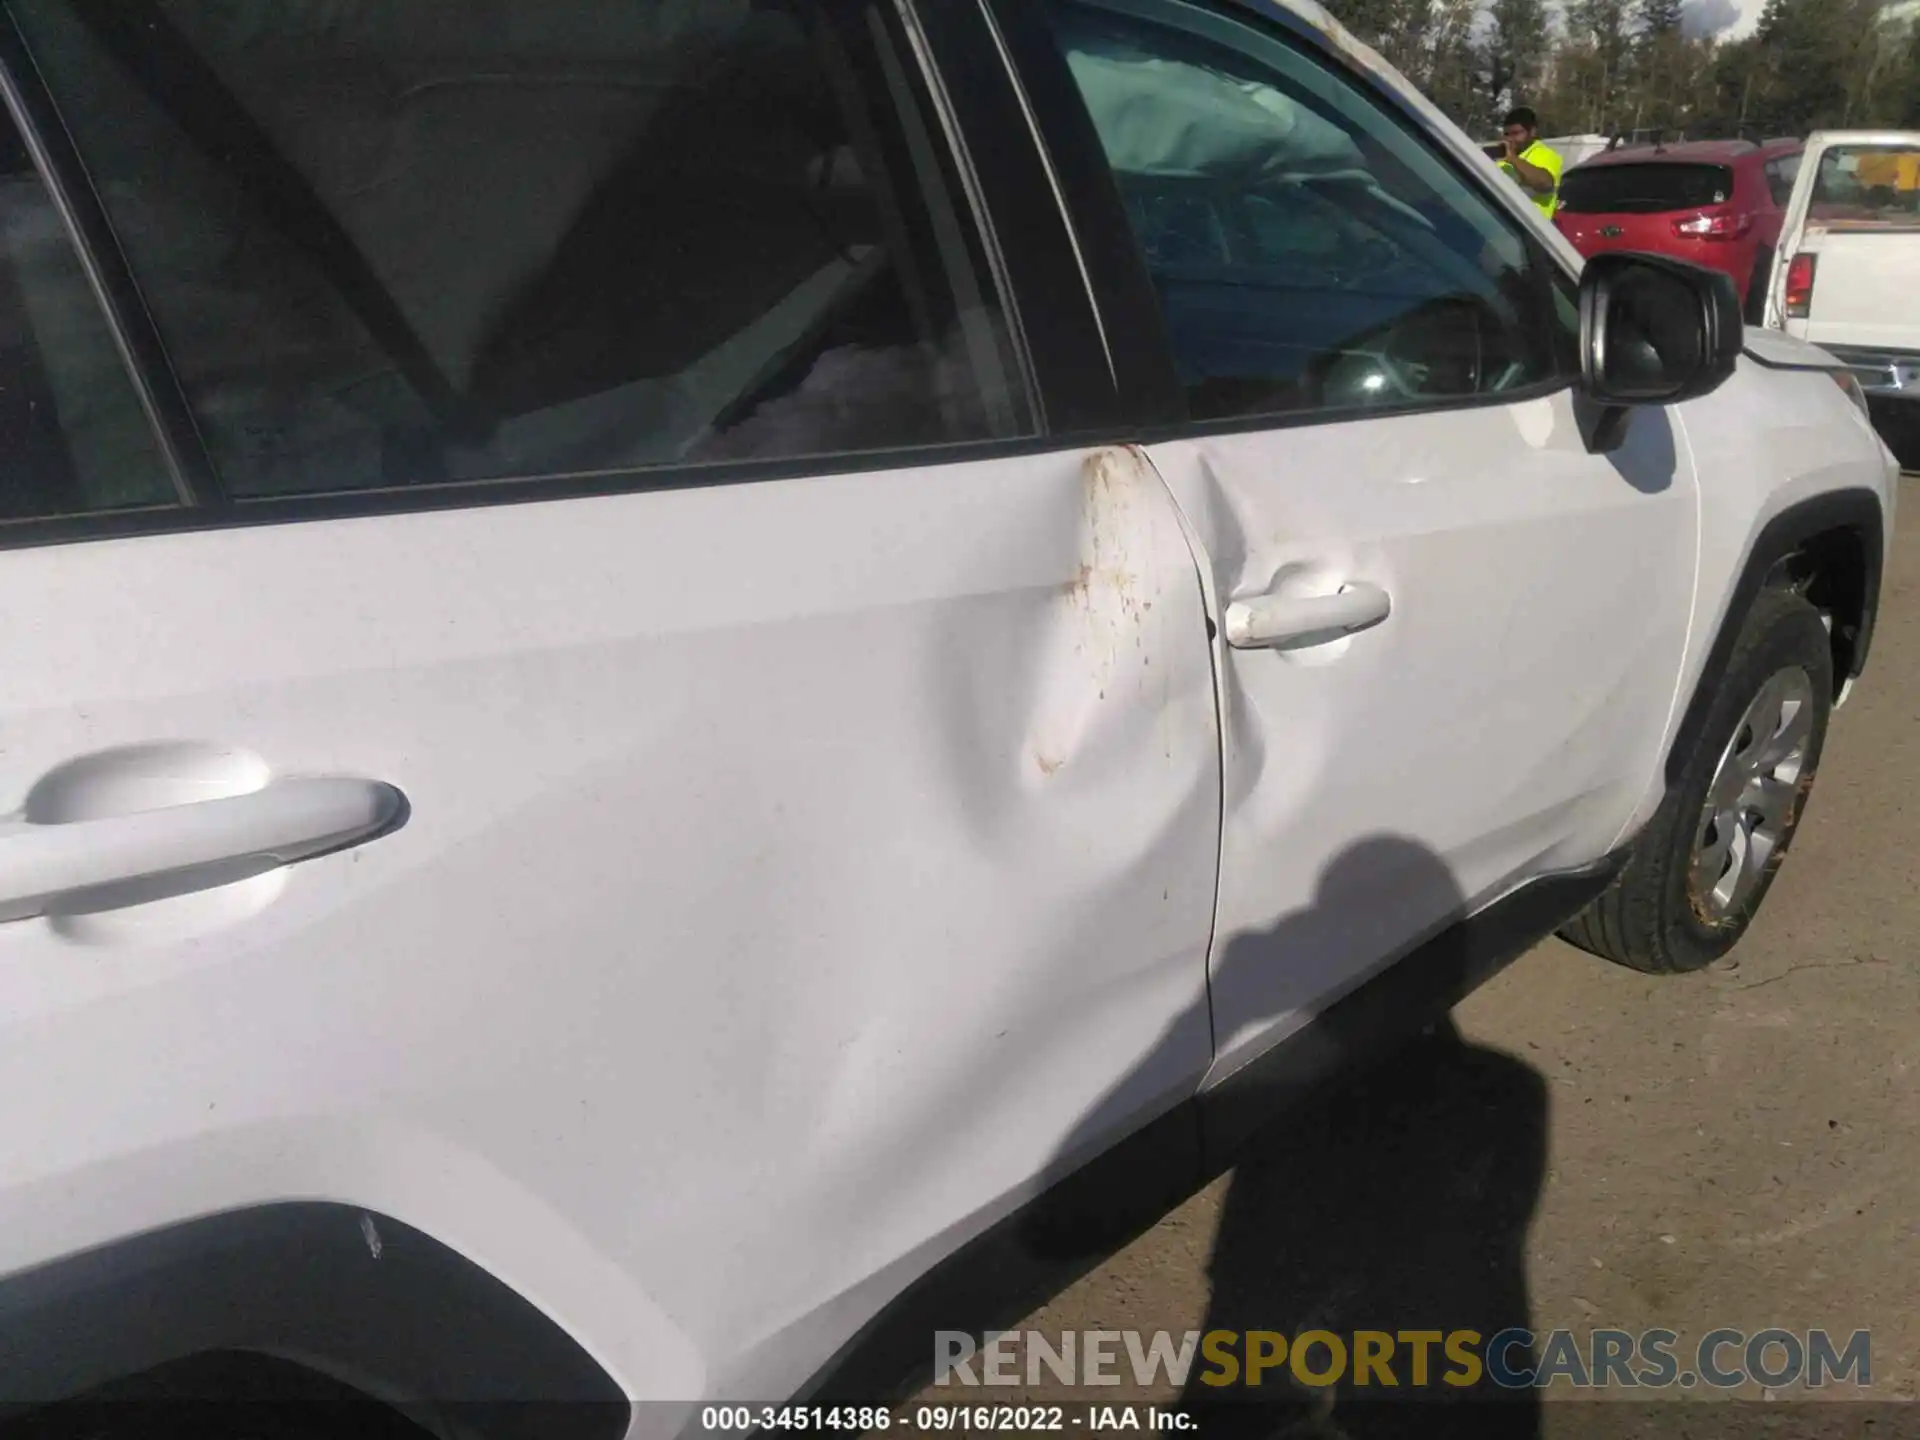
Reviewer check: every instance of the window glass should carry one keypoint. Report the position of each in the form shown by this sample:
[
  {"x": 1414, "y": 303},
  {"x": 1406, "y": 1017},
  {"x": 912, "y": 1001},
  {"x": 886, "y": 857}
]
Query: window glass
[
  {"x": 1781, "y": 177},
  {"x": 1310, "y": 253},
  {"x": 75, "y": 436},
  {"x": 1653, "y": 188},
  {"x": 1868, "y": 186},
  {"x": 394, "y": 242}
]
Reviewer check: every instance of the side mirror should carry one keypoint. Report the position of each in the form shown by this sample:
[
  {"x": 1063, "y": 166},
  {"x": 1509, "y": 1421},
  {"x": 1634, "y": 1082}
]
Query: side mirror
[{"x": 1653, "y": 331}]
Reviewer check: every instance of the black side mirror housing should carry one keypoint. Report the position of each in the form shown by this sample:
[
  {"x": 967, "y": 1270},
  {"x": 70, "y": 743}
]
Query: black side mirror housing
[{"x": 1653, "y": 331}]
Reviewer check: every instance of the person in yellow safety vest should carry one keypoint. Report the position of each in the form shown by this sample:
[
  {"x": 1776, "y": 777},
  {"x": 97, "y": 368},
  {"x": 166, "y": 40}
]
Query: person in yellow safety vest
[{"x": 1530, "y": 161}]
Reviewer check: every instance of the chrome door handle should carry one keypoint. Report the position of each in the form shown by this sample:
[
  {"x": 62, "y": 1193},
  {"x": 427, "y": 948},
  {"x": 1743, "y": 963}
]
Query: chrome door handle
[{"x": 1273, "y": 622}]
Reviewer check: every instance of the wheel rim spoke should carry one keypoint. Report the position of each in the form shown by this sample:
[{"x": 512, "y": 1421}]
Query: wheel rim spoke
[
  {"x": 1773, "y": 802},
  {"x": 1753, "y": 800},
  {"x": 1714, "y": 855},
  {"x": 1734, "y": 885},
  {"x": 1728, "y": 786},
  {"x": 1796, "y": 730},
  {"x": 1760, "y": 848},
  {"x": 1762, "y": 718}
]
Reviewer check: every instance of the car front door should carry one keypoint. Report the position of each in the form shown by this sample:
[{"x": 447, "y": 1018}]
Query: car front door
[
  {"x": 1450, "y": 635},
  {"x": 749, "y": 742}
]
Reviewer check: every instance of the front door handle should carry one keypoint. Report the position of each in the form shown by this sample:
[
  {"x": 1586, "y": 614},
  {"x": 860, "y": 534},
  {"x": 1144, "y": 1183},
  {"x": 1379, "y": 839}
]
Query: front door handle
[
  {"x": 289, "y": 820},
  {"x": 1293, "y": 622}
]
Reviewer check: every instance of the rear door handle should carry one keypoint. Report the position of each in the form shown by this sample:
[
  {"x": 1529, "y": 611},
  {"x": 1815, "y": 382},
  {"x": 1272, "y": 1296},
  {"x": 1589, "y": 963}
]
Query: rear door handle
[
  {"x": 287, "y": 821},
  {"x": 1273, "y": 622}
]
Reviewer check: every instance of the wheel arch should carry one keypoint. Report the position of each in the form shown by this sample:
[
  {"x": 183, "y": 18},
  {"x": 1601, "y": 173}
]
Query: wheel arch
[
  {"x": 346, "y": 1293},
  {"x": 1830, "y": 546}
]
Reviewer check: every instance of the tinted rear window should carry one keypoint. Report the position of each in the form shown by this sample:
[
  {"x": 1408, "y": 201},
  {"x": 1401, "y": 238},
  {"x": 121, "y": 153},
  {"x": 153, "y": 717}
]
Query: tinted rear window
[
  {"x": 1645, "y": 189},
  {"x": 1871, "y": 185}
]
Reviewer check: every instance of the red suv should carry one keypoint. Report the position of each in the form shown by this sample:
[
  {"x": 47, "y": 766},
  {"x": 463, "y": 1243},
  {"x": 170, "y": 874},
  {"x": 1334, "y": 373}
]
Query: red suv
[{"x": 1715, "y": 202}]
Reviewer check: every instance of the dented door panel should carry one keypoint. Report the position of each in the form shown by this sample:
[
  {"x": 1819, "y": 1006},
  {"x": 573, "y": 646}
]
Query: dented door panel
[
  {"x": 797, "y": 872},
  {"x": 1501, "y": 722}
]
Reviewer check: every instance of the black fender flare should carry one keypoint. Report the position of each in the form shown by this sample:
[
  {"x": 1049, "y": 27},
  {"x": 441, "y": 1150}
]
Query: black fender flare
[
  {"x": 1858, "y": 510},
  {"x": 354, "y": 1295}
]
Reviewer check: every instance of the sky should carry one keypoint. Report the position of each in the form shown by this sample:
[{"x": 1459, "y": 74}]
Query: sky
[
  {"x": 1732, "y": 19},
  {"x": 1728, "y": 18}
]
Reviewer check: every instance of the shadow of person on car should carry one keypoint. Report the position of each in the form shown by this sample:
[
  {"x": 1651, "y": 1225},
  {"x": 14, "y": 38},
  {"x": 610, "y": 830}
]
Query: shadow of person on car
[
  {"x": 1393, "y": 1192},
  {"x": 1387, "y": 1171},
  {"x": 1397, "y": 1204}
]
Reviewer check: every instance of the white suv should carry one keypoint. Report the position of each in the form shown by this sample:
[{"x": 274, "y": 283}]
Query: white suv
[{"x": 663, "y": 656}]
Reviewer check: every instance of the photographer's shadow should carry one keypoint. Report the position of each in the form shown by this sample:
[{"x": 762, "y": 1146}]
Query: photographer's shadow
[
  {"x": 1391, "y": 1193},
  {"x": 1395, "y": 1199}
]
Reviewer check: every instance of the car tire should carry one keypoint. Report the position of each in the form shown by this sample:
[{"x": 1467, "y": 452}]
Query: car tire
[
  {"x": 220, "y": 1396},
  {"x": 1702, "y": 868}
]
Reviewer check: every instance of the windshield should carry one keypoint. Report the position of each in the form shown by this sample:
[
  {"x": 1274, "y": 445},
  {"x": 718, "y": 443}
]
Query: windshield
[
  {"x": 1868, "y": 185},
  {"x": 1645, "y": 189}
]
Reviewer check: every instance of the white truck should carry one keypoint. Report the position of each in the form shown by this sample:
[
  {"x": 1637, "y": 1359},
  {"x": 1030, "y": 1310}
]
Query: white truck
[
  {"x": 1847, "y": 274},
  {"x": 663, "y": 659}
]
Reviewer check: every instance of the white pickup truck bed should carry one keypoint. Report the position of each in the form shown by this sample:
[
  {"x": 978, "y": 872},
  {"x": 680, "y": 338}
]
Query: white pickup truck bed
[{"x": 1847, "y": 277}]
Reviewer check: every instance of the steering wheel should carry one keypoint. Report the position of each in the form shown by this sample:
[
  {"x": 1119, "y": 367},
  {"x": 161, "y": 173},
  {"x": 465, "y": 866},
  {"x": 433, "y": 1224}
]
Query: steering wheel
[{"x": 1416, "y": 355}]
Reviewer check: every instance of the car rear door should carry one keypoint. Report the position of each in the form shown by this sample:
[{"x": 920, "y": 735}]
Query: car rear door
[
  {"x": 1450, "y": 635},
  {"x": 669, "y": 577}
]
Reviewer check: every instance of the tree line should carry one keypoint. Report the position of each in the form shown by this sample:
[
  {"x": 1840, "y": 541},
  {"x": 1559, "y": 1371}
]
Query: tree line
[{"x": 1612, "y": 67}]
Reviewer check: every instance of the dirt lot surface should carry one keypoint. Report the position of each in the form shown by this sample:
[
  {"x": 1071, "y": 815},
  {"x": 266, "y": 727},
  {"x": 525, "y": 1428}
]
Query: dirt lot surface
[{"x": 1596, "y": 1149}]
